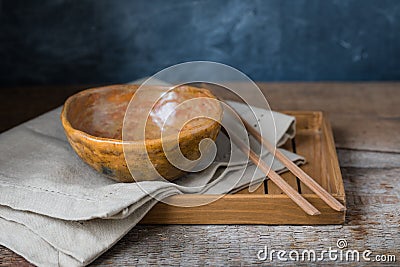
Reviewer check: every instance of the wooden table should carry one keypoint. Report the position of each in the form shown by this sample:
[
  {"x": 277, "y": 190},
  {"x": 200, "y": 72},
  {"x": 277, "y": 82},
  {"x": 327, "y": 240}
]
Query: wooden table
[{"x": 366, "y": 124}]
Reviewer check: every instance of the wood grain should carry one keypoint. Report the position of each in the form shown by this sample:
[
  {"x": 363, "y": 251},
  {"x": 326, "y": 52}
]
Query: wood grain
[
  {"x": 364, "y": 116},
  {"x": 296, "y": 170},
  {"x": 372, "y": 221},
  {"x": 365, "y": 120},
  {"x": 316, "y": 144},
  {"x": 290, "y": 192}
]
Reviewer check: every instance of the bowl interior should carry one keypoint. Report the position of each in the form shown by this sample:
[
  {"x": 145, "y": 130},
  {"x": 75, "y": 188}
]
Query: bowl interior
[{"x": 100, "y": 112}]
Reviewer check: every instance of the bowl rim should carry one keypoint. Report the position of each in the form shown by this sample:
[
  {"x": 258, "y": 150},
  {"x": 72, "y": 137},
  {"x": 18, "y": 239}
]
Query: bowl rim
[{"x": 147, "y": 142}]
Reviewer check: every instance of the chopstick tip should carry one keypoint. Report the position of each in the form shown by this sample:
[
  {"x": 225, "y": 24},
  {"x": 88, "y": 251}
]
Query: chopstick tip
[
  {"x": 342, "y": 208},
  {"x": 314, "y": 213},
  {"x": 338, "y": 206}
]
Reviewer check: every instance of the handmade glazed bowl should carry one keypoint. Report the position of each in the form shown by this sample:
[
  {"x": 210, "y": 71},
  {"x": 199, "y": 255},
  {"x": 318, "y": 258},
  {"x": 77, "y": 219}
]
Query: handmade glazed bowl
[{"x": 93, "y": 122}]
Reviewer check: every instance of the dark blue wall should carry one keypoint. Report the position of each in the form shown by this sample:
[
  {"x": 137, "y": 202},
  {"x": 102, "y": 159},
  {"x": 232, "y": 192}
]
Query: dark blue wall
[{"x": 65, "y": 42}]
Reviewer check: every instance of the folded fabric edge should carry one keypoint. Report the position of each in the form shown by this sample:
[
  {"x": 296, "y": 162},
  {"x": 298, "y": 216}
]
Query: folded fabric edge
[
  {"x": 143, "y": 211},
  {"x": 76, "y": 217},
  {"x": 12, "y": 235}
]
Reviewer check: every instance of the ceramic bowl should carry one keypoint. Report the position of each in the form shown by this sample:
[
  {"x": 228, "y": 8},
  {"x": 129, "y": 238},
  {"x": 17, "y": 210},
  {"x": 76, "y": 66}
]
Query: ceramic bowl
[{"x": 93, "y": 121}]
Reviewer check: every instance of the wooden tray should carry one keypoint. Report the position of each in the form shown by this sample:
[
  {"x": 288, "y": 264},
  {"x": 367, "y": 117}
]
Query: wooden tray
[{"x": 268, "y": 205}]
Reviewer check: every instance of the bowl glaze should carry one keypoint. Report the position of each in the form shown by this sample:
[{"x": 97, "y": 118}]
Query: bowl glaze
[{"x": 93, "y": 121}]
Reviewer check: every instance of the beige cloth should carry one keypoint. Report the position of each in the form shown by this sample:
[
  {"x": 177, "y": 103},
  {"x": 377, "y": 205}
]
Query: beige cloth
[{"x": 57, "y": 211}]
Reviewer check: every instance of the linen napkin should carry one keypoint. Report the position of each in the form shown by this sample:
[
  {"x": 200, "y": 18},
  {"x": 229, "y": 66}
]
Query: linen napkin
[{"x": 57, "y": 211}]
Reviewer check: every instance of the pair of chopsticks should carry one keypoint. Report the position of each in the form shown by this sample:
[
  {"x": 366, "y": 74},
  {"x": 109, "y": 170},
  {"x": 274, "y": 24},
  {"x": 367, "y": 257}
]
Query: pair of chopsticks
[{"x": 278, "y": 180}]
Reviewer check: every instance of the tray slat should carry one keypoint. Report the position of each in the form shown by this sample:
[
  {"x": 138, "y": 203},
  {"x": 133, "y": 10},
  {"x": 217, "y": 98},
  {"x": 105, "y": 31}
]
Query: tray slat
[{"x": 267, "y": 204}]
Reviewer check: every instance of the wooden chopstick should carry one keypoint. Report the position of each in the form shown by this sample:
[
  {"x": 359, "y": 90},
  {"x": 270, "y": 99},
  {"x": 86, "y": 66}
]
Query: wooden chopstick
[
  {"x": 276, "y": 178},
  {"x": 304, "y": 177}
]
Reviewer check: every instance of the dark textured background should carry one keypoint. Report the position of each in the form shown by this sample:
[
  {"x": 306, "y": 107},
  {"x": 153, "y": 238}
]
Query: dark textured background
[{"x": 76, "y": 42}]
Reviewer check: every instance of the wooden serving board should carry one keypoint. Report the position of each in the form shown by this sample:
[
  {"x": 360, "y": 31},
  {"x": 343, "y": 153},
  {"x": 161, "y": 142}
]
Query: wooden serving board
[{"x": 268, "y": 205}]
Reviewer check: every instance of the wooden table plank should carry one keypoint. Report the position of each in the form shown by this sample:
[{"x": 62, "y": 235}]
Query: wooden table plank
[
  {"x": 372, "y": 222},
  {"x": 364, "y": 116},
  {"x": 19, "y": 104}
]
